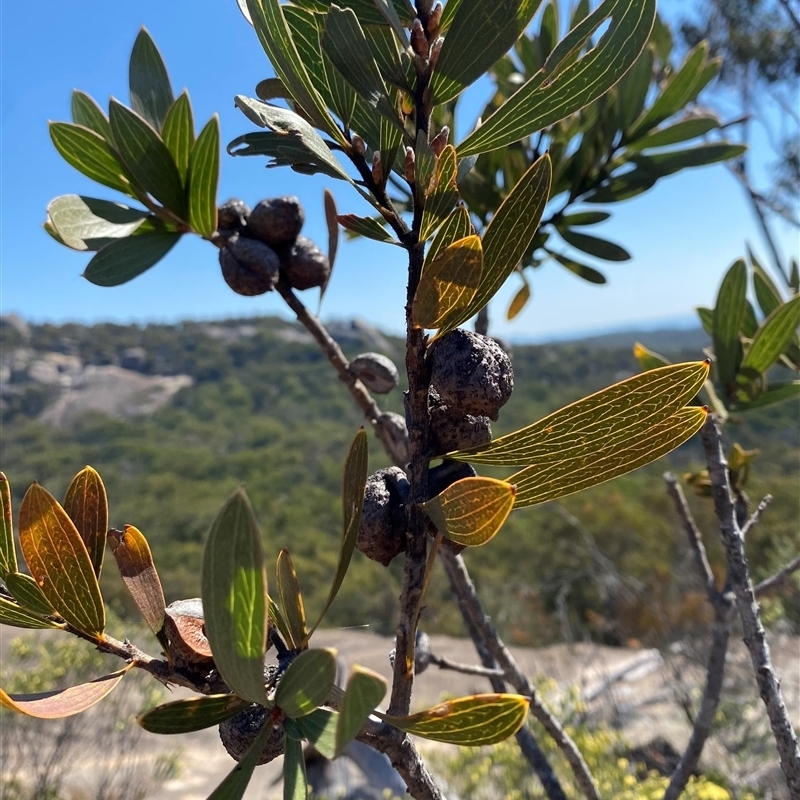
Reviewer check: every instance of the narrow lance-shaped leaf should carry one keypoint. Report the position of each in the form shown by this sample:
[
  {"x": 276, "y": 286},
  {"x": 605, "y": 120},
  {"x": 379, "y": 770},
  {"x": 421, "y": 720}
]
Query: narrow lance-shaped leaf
[
  {"x": 543, "y": 100},
  {"x": 59, "y": 562},
  {"x": 772, "y": 338},
  {"x": 291, "y": 599},
  {"x": 472, "y": 511},
  {"x": 519, "y": 301},
  {"x": 17, "y": 617},
  {"x": 772, "y": 395},
  {"x": 594, "y": 246},
  {"x": 178, "y": 132},
  {"x": 367, "y": 227},
  {"x": 584, "y": 271},
  {"x": 202, "y": 179},
  {"x": 64, "y": 702},
  {"x": 727, "y": 323},
  {"x": 151, "y": 91},
  {"x": 307, "y": 683},
  {"x": 87, "y": 113},
  {"x": 648, "y": 359},
  {"x": 365, "y": 690},
  {"x": 331, "y": 220},
  {"x": 318, "y": 727},
  {"x": 668, "y": 163},
  {"x": 135, "y": 562},
  {"x": 353, "y": 486},
  {"x": 444, "y": 196},
  {"x": 235, "y": 783},
  {"x": 234, "y": 591},
  {"x": 674, "y": 134},
  {"x": 8, "y": 554},
  {"x": 447, "y": 285},
  {"x": 28, "y": 593},
  {"x": 125, "y": 259},
  {"x": 474, "y": 721},
  {"x": 456, "y": 226},
  {"x": 295, "y": 786},
  {"x": 87, "y": 505},
  {"x": 191, "y": 714}
]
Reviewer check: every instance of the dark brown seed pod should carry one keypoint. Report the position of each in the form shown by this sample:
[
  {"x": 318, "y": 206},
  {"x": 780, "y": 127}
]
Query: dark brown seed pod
[
  {"x": 304, "y": 265},
  {"x": 232, "y": 215},
  {"x": 239, "y": 732},
  {"x": 382, "y": 534},
  {"x": 276, "y": 221},
  {"x": 452, "y": 430},
  {"x": 394, "y": 428},
  {"x": 378, "y": 373},
  {"x": 249, "y": 267},
  {"x": 184, "y": 626},
  {"x": 471, "y": 373}
]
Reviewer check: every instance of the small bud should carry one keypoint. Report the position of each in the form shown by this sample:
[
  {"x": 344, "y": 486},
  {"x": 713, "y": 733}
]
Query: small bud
[
  {"x": 358, "y": 145},
  {"x": 419, "y": 41},
  {"x": 434, "y": 19},
  {"x": 439, "y": 142},
  {"x": 377, "y": 171},
  {"x": 436, "y": 48},
  {"x": 410, "y": 165},
  {"x": 406, "y": 104}
]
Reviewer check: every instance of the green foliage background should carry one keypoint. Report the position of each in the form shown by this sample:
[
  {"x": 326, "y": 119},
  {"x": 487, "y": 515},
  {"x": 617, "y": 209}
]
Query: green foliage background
[{"x": 267, "y": 411}]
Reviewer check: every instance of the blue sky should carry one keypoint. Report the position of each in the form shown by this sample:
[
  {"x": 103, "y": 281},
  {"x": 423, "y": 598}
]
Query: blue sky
[{"x": 683, "y": 234}]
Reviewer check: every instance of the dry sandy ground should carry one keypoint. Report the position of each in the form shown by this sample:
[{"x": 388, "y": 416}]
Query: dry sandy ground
[{"x": 640, "y": 698}]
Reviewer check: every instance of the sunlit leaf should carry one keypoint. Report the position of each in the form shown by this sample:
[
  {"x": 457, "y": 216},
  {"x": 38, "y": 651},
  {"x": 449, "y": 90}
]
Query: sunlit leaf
[
  {"x": 13, "y": 614},
  {"x": 135, "y": 562},
  {"x": 191, "y": 714},
  {"x": 353, "y": 486},
  {"x": 648, "y": 359},
  {"x": 234, "y": 591},
  {"x": 727, "y": 323},
  {"x": 87, "y": 505},
  {"x": 331, "y": 220},
  {"x": 202, "y": 179},
  {"x": 365, "y": 690},
  {"x": 474, "y": 721},
  {"x": 86, "y": 112},
  {"x": 8, "y": 554},
  {"x": 519, "y": 301},
  {"x": 291, "y": 599},
  {"x": 772, "y": 337},
  {"x": 447, "y": 285},
  {"x": 178, "y": 132},
  {"x": 318, "y": 727},
  {"x": 667, "y": 163},
  {"x": 151, "y": 91},
  {"x": 442, "y": 199},
  {"x": 28, "y": 593},
  {"x": 63, "y": 702},
  {"x": 456, "y": 226},
  {"x": 147, "y": 158},
  {"x": 675, "y": 133},
  {"x": 295, "y": 785},
  {"x": 59, "y": 562},
  {"x": 307, "y": 683},
  {"x": 235, "y": 783},
  {"x": 367, "y": 227},
  {"x": 124, "y": 259},
  {"x": 544, "y": 100},
  {"x": 772, "y": 395}
]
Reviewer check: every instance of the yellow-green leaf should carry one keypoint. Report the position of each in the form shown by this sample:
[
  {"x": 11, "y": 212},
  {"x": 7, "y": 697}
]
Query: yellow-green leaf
[
  {"x": 519, "y": 302},
  {"x": 772, "y": 337},
  {"x": 135, "y": 562},
  {"x": 87, "y": 505},
  {"x": 648, "y": 359},
  {"x": 234, "y": 592},
  {"x": 59, "y": 561},
  {"x": 443, "y": 195},
  {"x": 448, "y": 284},
  {"x": 291, "y": 599},
  {"x": 64, "y": 702},
  {"x": 480, "y": 719},
  {"x": 456, "y": 226},
  {"x": 307, "y": 683},
  {"x": 295, "y": 782},
  {"x": 178, "y": 133},
  {"x": 471, "y": 511},
  {"x": 8, "y": 554},
  {"x": 28, "y": 593},
  {"x": 202, "y": 179},
  {"x": 365, "y": 690},
  {"x": 191, "y": 714},
  {"x": 13, "y": 614}
]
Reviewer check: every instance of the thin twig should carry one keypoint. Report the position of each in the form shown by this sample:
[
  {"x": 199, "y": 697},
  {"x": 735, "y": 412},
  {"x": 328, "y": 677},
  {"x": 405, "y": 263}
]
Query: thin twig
[
  {"x": 754, "y": 635},
  {"x": 778, "y": 578},
  {"x": 466, "y": 669}
]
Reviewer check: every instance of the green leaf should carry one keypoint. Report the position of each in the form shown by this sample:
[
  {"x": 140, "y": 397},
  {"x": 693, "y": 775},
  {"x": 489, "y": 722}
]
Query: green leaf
[
  {"x": 234, "y": 592},
  {"x": 447, "y": 285},
  {"x": 594, "y": 246},
  {"x": 124, "y": 259},
  {"x": 444, "y": 196},
  {"x": 471, "y": 511},
  {"x": 85, "y": 223},
  {"x": 18, "y": 617},
  {"x": 700, "y": 155},
  {"x": 202, "y": 179},
  {"x": 648, "y": 359},
  {"x": 706, "y": 316},
  {"x": 279, "y": 619},
  {"x": 151, "y": 91},
  {"x": 474, "y": 721},
  {"x": 146, "y": 156},
  {"x": 59, "y": 562},
  {"x": 544, "y": 100},
  {"x": 307, "y": 683},
  {"x": 135, "y": 561},
  {"x": 584, "y": 218},
  {"x": 86, "y": 112},
  {"x": 677, "y": 92},
  {"x": 727, "y": 323},
  {"x": 675, "y": 133},
  {"x": 235, "y": 783},
  {"x": 292, "y": 134},
  {"x": 773, "y": 337},
  {"x": 86, "y": 504},
  {"x": 519, "y": 301},
  {"x": 794, "y": 276},
  {"x": 353, "y": 485},
  {"x": 64, "y": 702},
  {"x": 623, "y": 187},
  {"x": 345, "y": 44},
  {"x": 318, "y": 727},
  {"x": 772, "y": 395},
  {"x": 178, "y": 132},
  {"x": 455, "y": 227},
  {"x": 633, "y": 88},
  {"x": 332, "y": 222},
  {"x": 581, "y": 270},
  {"x": 479, "y": 35},
  {"x": 295, "y": 785},
  {"x": 511, "y": 230},
  {"x": 365, "y": 690},
  {"x": 8, "y": 553},
  {"x": 291, "y": 599},
  {"x": 28, "y": 594},
  {"x": 278, "y": 43},
  {"x": 191, "y": 714},
  {"x": 90, "y": 154},
  {"x": 368, "y": 227}
]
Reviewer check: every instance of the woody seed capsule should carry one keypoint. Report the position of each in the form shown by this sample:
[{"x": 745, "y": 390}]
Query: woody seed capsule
[
  {"x": 304, "y": 265},
  {"x": 239, "y": 732},
  {"x": 276, "y": 221},
  {"x": 381, "y": 536},
  {"x": 249, "y": 267},
  {"x": 376, "y": 372}
]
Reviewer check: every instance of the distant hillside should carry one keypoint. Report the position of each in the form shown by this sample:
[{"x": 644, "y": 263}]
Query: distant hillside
[{"x": 176, "y": 417}]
